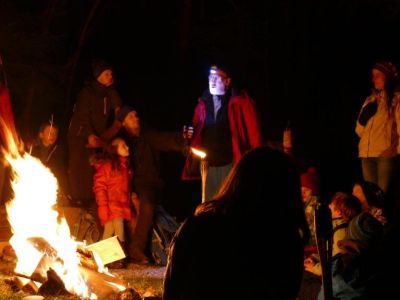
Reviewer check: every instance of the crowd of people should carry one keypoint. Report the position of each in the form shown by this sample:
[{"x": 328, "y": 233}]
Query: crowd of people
[
  {"x": 113, "y": 169},
  {"x": 111, "y": 166}
]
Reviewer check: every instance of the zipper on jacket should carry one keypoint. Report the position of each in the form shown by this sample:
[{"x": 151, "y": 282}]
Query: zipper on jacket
[{"x": 105, "y": 105}]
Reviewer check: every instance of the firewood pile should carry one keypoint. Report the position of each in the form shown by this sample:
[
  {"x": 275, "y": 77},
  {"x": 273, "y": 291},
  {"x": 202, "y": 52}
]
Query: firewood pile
[{"x": 48, "y": 283}]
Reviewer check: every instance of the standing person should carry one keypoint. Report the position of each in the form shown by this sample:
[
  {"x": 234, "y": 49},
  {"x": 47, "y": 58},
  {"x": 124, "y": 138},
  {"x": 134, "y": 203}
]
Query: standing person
[
  {"x": 111, "y": 186},
  {"x": 377, "y": 129},
  {"x": 145, "y": 146},
  {"x": 214, "y": 253},
  {"x": 92, "y": 123},
  {"x": 52, "y": 155},
  {"x": 225, "y": 125}
]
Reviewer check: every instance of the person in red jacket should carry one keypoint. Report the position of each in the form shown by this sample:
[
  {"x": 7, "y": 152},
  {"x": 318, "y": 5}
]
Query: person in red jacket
[
  {"x": 111, "y": 186},
  {"x": 225, "y": 126}
]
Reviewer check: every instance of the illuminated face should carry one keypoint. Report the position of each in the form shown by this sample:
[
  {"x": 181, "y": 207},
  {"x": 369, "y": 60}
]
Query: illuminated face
[
  {"x": 218, "y": 83},
  {"x": 49, "y": 135},
  {"x": 378, "y": 79},
  {"x": 335, "y": 212},
  {"x": 122, "y": 148},
  {"x": 132, "y": 123},
  {"x": 306, "y": 193},
  {"x": 106, "y": 77}
]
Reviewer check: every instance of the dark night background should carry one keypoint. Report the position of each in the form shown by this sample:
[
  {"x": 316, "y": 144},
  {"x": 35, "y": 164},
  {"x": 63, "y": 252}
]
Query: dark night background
[{"x": 304, "y": 61}]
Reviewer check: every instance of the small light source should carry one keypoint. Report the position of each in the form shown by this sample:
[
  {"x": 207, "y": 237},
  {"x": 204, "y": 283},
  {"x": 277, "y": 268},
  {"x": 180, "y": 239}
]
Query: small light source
[
  {"x": 198, "y": 153},
  {"x": 203, "y": 171}
]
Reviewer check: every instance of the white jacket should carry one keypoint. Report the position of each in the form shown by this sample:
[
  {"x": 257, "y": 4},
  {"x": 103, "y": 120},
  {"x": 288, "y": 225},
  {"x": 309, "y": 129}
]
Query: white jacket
[{"x": 379, "y": 137}]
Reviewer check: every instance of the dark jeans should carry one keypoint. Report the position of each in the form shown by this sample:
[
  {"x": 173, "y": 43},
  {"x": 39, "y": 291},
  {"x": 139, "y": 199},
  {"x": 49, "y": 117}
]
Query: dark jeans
[
  {"x": 147, "y": 199},
  {"x": 379, "y": 170}
]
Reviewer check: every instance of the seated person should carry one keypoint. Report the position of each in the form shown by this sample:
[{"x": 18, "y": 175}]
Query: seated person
[
  {"x": 344, "y": 207},
  {"x": 52, "y": 155}
]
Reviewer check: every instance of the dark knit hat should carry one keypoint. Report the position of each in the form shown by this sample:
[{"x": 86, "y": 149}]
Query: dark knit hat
[
  {"x": 310, "y": 180},
  {"x": 365, "y": 229},
  {"x": 99, "y": 66},
  {"x": 387, "y": 68},
  {"x": 123, "y": 112},
  {"x": 219, "y": 69}
]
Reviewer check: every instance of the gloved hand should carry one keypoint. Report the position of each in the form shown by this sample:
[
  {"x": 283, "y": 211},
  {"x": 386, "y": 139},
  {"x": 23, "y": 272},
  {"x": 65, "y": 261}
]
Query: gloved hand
[{"x": 367, "y": 113}]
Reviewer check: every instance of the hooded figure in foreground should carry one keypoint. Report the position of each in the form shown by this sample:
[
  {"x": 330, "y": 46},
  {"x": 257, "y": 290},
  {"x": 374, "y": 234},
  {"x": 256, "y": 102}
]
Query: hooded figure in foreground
[{"x": 231, "y": 247}]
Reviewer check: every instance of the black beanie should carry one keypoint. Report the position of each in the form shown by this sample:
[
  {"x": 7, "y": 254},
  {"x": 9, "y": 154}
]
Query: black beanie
[
  {"x": 123, "y": 112},
  {"x": 99, "y": 66}
]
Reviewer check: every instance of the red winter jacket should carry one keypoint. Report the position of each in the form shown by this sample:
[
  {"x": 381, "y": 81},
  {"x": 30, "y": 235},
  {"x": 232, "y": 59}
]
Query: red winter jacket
[
  {"x": 111, "y": 189},
  {"x": 243, "y": 123}
]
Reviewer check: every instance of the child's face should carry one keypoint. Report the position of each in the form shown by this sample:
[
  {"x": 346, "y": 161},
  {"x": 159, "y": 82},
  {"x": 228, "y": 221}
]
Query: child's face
[
  {"x": 335, "y": 212},
  {"x": 305, "y": 193},
  {"x": 49, "y": 135},
  {"x": 132, "y": 123},
  {"x": 122, "y": 148},
  {"x": 378, "y": 79}
]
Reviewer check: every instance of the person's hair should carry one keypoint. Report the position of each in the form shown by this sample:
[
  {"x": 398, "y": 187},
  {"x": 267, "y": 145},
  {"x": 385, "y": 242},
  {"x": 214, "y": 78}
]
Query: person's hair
[
  {"x": 43, "y": 126},
  {"x": 264, "y": 181},
  {"x": 392, "y": 84},
  {"x": 374, "y": 195},
  {"x": 348, "y": 205},
  {"x": 109, "y": 154}
]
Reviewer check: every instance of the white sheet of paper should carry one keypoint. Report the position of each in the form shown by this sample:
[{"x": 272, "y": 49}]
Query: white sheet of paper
[{"x": 108, "y": 250}]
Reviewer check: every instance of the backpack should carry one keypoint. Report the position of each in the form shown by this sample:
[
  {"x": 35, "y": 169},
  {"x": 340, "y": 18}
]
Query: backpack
[{"x": 164, "y": 229}]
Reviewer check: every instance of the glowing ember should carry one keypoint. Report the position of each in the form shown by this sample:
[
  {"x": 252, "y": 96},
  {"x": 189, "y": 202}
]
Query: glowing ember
[
  {"x": 40, "y": 236},
  {"x": 199, "y": 153}
]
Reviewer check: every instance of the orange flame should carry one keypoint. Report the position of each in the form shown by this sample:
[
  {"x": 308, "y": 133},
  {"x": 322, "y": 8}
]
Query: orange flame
[
  {"x": 198, "y": 152},
  {"x": 33, "y": 218}
]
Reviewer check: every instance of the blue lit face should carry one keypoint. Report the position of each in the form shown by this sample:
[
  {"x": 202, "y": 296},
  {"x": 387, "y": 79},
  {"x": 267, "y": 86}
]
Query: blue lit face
[{"x": 218, "y": 83}]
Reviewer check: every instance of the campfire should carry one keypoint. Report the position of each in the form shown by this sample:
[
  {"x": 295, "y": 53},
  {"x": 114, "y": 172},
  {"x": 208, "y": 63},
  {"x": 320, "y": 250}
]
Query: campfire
[{"x": 48, "y": 259}]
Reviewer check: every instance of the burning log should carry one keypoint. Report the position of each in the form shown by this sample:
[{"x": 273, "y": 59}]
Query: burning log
[
  {"x": 27, "y": 285},
  {"x": 128, "y": 294},
  {"x": 45, "y": 250},
  {"x": 103, "y": 285},
  {"x": 53, "y": 286},
  {"x": 87, "y": 259}
]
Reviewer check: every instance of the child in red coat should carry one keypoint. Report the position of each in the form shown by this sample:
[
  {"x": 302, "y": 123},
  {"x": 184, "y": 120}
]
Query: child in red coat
[{"x": 111, "y": 188}]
